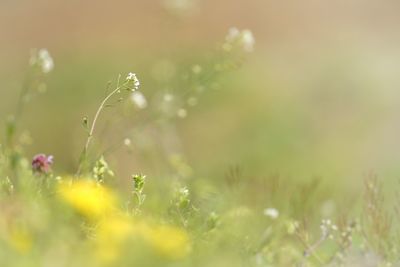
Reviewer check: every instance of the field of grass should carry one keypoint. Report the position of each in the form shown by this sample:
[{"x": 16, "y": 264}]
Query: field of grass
[{"x": 143, "y": 133}]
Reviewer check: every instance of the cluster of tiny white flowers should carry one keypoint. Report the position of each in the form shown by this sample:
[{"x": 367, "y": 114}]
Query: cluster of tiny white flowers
[
  {"x": 43, "y": 59},
  {"x": 133, "y": 78},
  {"x": 183, "y": 191},
  {"x": 137, "y": 97},
  {"x": 271, "y": 213},
  {"x": 248, "y": 40},
  {"x": 233, "y": 34},
  {"x": 346, "y": 235},
  {"x": 244, "y": 38},
  {"x": 326, "y": 228}
]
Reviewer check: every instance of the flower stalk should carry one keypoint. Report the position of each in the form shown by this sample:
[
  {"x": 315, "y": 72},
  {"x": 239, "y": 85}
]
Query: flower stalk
[{"x": 131, "y": 83}]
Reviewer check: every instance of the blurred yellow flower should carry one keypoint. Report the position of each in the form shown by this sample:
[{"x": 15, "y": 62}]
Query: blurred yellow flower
[
  {"x": 88, "y": 198},
  {"x": 168, "y": 241},
  {"x": 111, "y": 235},
  {"x": 114, "y": 231}
]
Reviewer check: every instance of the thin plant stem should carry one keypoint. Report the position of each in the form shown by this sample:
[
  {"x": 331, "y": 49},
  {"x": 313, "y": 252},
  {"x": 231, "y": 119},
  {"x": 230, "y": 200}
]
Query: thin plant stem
[{"x": 93, "y": 125}]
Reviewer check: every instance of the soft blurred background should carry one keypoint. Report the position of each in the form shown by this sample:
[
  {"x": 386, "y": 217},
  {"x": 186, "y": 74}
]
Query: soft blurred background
[{"x": 319, "y": 96}]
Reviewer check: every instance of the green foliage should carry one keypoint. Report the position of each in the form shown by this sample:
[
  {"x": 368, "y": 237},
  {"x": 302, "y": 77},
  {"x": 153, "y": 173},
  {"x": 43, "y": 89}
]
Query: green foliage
[
  {"x": 101, "y": 169},
  {"x": 137, "y": 193}
]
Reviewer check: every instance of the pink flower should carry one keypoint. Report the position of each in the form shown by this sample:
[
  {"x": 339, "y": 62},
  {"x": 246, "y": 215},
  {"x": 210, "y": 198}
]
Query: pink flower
[{"x": 42, "y": 163}]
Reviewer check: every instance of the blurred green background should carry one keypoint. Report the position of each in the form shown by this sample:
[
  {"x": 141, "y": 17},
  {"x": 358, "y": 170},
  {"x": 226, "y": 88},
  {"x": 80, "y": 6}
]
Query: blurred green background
[{"x": 318, "y": 96}]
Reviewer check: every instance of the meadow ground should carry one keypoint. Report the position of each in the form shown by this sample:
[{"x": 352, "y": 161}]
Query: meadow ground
[{"x": 199, "y": 133}]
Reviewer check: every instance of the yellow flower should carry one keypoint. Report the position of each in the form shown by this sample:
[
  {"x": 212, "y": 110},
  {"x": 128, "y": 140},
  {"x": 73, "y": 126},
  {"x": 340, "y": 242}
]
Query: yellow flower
[
  {"x": 168, "y": 241},
  {"x": 88, "y": 198},
  {"x": 114, "y": 231},
  {"x": 111, "y": 234}
]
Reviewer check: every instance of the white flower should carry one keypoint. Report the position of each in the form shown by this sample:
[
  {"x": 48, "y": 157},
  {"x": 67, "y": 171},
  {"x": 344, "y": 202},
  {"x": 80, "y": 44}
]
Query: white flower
[
  {"x": 248, "y": 40},
  {"x": 127, "y": 142},
  {"x": 245, "y": 40},
  {"x": 326, "y": 228},
  {"x": 233, "y": 33},
  {"x": 133, "y": 78},
  {"x": 42, "y": 59},
  {"x": 47, "y": 60},
  {"x": 272, "y": 213},
  {"x": 139, "y": 100},
  {"x": 184, "y": 191},
  {"x": 182, "y": 113}
]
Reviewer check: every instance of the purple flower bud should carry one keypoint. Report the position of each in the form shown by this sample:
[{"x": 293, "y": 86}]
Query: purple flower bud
[{"x": 42, "y": 163}]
